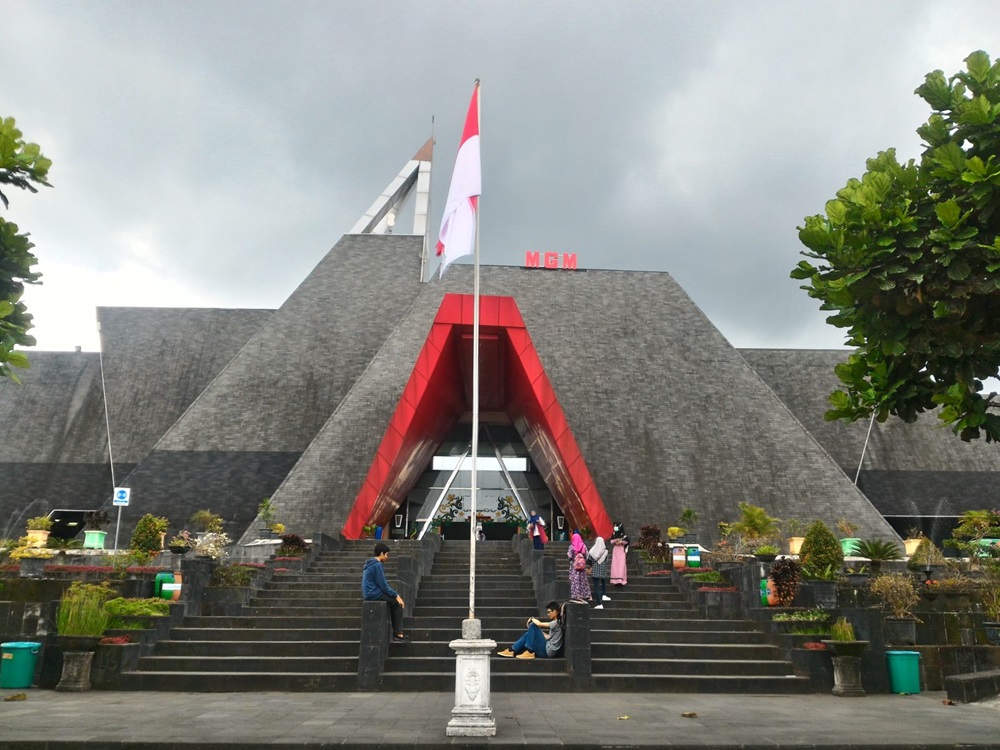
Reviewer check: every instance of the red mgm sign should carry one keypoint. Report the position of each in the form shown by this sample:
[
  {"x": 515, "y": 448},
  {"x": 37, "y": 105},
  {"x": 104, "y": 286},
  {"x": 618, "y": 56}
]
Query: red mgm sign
[{"x": 538, "y": 259}]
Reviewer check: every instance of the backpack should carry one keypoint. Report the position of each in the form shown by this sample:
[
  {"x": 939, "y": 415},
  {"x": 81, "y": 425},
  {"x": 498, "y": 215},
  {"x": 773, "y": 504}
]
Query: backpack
[{"x": 579, "y": 562}]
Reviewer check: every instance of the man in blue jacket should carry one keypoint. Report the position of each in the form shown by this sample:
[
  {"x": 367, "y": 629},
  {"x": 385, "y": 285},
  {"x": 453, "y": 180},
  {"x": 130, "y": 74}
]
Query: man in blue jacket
[{"x": 374, "y": 588}]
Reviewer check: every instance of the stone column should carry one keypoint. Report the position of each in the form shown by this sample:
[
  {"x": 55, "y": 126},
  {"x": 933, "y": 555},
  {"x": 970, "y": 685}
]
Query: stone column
[
  {"x": 472, "y": 715},
  {"x": 76, "y": 671}
]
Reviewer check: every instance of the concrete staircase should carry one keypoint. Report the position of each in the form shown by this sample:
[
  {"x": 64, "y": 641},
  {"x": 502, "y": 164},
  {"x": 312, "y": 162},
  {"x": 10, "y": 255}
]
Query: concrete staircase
[
  {"x": 504, "y": 600},
  {"x": 648, "y": 638},
  {"x": 300, "y": 633}
]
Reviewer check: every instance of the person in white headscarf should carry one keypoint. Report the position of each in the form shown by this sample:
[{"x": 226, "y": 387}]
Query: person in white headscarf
[{"x": 600, "y": 571}]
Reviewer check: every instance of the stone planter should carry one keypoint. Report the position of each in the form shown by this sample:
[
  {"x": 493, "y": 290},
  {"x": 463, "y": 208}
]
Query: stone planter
[
  {"x": 32, "y": 567},
  {"x": 77, "y": 654},
  {"x": 795, "y": 544},
  {"x": 901, "y": 631},
  {"x": 910, "y": 546},
  {"x": 847, "y": 667}
]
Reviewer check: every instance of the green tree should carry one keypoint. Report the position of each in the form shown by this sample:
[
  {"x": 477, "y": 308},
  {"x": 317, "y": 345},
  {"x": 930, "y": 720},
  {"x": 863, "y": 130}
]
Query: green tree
[
  {"x": 907, "y": 260},
  {"x": 23, "y": 166}
]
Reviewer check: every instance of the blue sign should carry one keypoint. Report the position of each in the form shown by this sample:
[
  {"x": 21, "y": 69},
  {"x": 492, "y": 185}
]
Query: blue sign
[{"x": 122, "y": 495}]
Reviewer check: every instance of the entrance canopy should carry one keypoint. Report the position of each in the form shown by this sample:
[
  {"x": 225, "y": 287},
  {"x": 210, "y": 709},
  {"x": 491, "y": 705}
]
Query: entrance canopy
[{"x": 513, "y": 388}]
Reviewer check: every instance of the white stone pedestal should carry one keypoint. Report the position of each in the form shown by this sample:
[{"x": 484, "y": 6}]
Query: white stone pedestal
[{"x": 472, "y": 715}]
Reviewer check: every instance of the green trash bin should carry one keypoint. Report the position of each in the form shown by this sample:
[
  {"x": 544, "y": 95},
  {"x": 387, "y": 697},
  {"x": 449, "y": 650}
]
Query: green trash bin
[
  {"x": 17, "y": 663},
  {"x": 904, "y": 671}
]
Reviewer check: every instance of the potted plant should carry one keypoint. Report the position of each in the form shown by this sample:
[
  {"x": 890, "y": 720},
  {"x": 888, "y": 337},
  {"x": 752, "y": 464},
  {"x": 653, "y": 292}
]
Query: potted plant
[
  {"x": 181, "y": 543},
  {"x": 31, "y": 559},
  {"x": 211, "y": 544},
  {"x": 877, "y": 551},
  {"x": 94, "y": 522},
  {"x": 149, "y": 533},
  {"x": 821, "y": 557},
  {"x": 266, "y": 514},
  {"x": 975, "y": 532},
  {"x": 755, "y": 526},
  {"x": 207, "y": 521},
  {"x": 767, "y": 552},
  {"x": 913, "y": 538},
  {"x": 846, "y": 651},
  {"x": 848, "y": 542},
  {"x": 784, "y": 581},
  {"x": 687, "y": 521},
  {"x": 897, "y": 593},
  {"x": 38, "y": 530},
  {"x": 368, "y": 531},
  {"x": 80, "y": 622}
]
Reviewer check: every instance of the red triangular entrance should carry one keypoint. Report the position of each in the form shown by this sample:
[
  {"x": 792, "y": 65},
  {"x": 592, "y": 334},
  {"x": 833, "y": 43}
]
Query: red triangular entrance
[{"x": 437, "y": 394}]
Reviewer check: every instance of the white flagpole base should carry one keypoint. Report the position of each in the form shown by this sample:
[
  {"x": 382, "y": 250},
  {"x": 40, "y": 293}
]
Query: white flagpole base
[{"x": 472, "y": 715}]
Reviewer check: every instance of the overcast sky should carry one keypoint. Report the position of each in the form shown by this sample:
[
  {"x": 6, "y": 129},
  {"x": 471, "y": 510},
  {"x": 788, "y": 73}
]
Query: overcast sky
[{"x": 208, "y": 154}]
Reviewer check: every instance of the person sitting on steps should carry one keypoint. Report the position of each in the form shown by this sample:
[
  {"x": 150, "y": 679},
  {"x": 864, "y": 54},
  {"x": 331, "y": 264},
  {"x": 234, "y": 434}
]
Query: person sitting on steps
[
  {"x": 374, "y": 588},
  {"x": 536, "y": 642}
]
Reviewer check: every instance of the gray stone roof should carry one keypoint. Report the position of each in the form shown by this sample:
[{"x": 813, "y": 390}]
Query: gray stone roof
[
  {"x": 667, "y": 414},
  {"x": 909, "y": 469},
  {"x": 277, "y": 392},
  {"x": 56, "y": 414},
  {"x": 157, "y": 361}
]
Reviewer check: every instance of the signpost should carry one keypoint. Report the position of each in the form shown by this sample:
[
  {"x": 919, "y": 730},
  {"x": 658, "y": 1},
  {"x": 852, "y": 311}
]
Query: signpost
[{"x": 121, "y": 498}]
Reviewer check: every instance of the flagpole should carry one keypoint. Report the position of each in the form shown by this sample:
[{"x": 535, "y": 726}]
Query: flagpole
[{"x": 475, "y": 398}]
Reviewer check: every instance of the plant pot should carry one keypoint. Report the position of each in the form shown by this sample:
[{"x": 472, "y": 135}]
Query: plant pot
[
  {"x": 910, "y": 546},
  {"x": 765, "y": 558},
  {"x": 93, "y": 538},
  {"x": 847, "y": 667},
  {"x": 901, "y": 631},
  {"x": 78, "y": 642},
  {"x": 824, "y": 593},
  {"x": 857, "y": 580},
  {"x": 32, "y": 567},
  {"x": 179, "y": 549},
  {"x": 795, "y": 544},
  {"x": 849, "y": 545},
  {"x": 38, "y": 537}
]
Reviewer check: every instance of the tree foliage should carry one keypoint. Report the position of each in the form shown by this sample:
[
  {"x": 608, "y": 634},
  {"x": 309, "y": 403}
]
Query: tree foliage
[
  {"x": 907, "y": 259},
  {"x": 23, "y": 166}
]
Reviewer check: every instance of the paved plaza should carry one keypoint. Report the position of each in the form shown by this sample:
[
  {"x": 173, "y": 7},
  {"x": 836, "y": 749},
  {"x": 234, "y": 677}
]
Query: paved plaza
[{"x": 148, "y": 720}]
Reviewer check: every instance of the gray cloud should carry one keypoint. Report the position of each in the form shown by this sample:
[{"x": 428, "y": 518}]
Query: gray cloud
[{"x": 225, "y": 146}]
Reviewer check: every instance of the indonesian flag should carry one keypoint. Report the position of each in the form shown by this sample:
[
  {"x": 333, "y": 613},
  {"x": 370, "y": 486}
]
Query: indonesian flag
[{"x": 458, "y": 225}]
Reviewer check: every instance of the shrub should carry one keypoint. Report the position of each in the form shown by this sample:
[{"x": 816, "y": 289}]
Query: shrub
[
  {"x": 39, "y": 523},
  {"x": 820, "y": 549},
  {"x": 785, "y": 574},
  {"x": 81, "y": 609},
  {"x": 146, "y": 535},
  {"x": 755, "y": 525},
  {"x": 120, "y": 606},
  {"x": 897, "y": 592},
  {"x": 878, "y": 550},
  {"x": 711, "y": 576},
  {"x": 230, "y": 576},
  {"x": 926, "y": 555},
  {"x": 292, "y": 545},
  {"x": 842, "y": 630},
  {"x": 207, "y": 521}
]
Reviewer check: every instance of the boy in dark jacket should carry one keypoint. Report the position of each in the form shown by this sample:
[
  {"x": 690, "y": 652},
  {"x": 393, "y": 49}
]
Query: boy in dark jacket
[{"x": 374, "y": 588}]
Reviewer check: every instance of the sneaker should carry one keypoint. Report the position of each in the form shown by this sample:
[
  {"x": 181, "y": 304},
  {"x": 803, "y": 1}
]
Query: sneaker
[
  {"x": 400, "y": 638},
  {"x": 525, "y": 655},
  {"x": 599, "y": 606},
  {"x": 506, "y": 652},
  {"x": 605, "y": 598}
]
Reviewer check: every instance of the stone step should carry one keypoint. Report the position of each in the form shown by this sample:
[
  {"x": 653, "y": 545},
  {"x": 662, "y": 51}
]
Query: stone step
[
  {"x": 265, "y": 635},
  {"x": 257, "y": 664},
  {"x": 245, "y": 648},
  {"x": 241, "y": 682}
]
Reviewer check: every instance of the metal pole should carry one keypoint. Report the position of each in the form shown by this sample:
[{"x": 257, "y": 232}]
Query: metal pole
[
  {"x": 864, "y": 448},
  {"x": 107, "y": 423}
]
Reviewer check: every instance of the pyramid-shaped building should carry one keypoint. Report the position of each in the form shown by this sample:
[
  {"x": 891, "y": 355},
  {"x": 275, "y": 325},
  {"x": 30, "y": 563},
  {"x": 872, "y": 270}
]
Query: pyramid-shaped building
[{"x": 604, "y": 396}]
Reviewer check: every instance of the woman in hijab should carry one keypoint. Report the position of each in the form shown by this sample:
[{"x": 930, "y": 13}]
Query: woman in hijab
[
  {"x": 579, "y": 586},
  {"x": 600, "y": 571},
  {"x": 619, "y": 548}
]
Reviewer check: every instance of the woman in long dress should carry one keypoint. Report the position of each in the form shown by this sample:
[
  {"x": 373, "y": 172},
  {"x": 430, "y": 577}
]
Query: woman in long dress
[
  {"x": 600, "y": 571},
  {"x": 619, "y": 549},
  {"x": 579, "y": 585}
]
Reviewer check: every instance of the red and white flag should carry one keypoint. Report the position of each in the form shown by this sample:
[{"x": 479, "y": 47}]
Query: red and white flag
[{"x": 457, "y": 235}]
